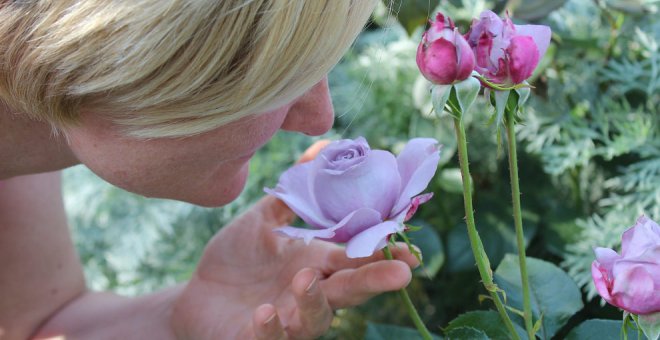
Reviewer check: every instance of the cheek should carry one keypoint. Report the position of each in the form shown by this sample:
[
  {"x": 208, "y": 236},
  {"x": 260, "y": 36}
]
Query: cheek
[
  {"x": 162, "y": 169},
  {"x": 116, "y": 163}
]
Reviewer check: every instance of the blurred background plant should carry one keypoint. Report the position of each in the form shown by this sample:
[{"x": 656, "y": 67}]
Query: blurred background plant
[{"x": 589, "y": 160}]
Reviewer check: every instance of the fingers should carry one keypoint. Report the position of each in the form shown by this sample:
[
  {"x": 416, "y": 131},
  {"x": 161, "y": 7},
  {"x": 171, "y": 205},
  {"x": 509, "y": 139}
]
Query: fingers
[
  {"x": 337, "y": 259},
  {"x": 314, "y": 312},
  {"x": 312, "y": 151},
  {"x": 350, "y": 287},
  {"x": 267, "y": 324}
]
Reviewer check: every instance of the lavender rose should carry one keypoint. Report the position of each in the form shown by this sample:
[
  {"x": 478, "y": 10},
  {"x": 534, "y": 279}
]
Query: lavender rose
[
  {"x": 350, "y": 193},
  {"x": 631, "y": 281}
]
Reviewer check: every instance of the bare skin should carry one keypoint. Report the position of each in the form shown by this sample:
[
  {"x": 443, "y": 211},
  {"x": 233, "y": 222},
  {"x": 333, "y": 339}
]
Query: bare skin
[{"x": 250, "y": 284}]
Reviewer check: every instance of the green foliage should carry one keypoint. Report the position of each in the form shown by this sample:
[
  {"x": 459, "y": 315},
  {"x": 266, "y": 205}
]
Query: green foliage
[
  {"x": 488, "y": 322},
  {"x": 554, "y": 295},
  {"x": 597, "y": 329},
  {"x": 466, "y": 333},
  {"x": 429, "y": 243},
  {"x": 388, "y": 332}
]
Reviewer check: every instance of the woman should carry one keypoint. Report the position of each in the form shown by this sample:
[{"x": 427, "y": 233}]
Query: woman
[{"x": 170, "y": 99}]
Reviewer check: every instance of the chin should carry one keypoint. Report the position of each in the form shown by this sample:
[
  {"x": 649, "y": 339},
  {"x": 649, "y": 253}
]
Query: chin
[{"x": 221, "y": 194}]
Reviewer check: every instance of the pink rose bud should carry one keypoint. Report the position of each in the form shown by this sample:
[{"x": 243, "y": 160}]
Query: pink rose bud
[
  {"x": 631, "y": 281},
  {"x": 444, "y": 56},
  {"x": 506, "y": 53}
]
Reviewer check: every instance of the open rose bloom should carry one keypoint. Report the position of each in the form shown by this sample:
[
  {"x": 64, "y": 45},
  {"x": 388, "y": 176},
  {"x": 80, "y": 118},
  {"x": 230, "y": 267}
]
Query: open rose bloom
[
  {"x": 631, "y": 281},
  {"x": 358, "y": 196},
  {"x": 506, "y": 53}
]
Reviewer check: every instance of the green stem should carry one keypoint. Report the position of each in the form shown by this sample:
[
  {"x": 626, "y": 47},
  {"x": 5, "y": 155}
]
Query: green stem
[
  {"x": 483, "y": 265},
  {"x": 517, "y": 217},
  {"x": 417, "y": 320}
]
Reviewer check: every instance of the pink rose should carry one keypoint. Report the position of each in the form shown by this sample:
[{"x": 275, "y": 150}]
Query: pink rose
[
  {"x": 444, "y": 56},
  {"x": 506, "y": 53},
  {"x": 631, "y": 281}
]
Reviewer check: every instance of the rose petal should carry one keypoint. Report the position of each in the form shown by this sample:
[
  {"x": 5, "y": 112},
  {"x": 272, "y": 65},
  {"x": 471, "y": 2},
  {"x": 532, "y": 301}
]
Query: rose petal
[
  {"x": 540, "y": 33},
  {"x": 635, "y": 291},
  {"x": 411, "y": 209},
  {"x": 358, "y": 147},
  {"x": 355, "y": 223},
  {"x": 438, "y": 61},
  {"x": 367, "y": 242},
  {"x": 643, "y": 235},
  {"x": 601, "y": 281},
  {"x": 417, "y": 164},
  {"x": 466, "y": 60},
  {"x": 523, "y": 57},
  {"x": 606, "y": 258},
  {"x": 374, "y": 184},
  {"x": 488, "y": 22},
  {"x": 294, "y": 188},
  {"x": 349, "y": 226}
]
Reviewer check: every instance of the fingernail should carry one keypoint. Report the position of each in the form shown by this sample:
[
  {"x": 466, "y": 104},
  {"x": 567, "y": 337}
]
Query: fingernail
[
  {"x": 270, "y": 319},
  {"x": 311, "y": 288}
]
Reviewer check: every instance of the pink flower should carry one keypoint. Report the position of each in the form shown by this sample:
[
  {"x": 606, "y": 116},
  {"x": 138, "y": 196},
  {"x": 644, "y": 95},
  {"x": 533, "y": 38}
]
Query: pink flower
[
  {"x": 506, "y": 53},
  {"x": 350, "y": 193},
  {"x": 444, "y": 56},
  {"x": 631, "y": 281}
]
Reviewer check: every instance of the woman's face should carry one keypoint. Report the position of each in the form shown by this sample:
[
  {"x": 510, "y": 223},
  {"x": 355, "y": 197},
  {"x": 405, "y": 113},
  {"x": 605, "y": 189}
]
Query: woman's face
[{"x": 209, "y": 169}]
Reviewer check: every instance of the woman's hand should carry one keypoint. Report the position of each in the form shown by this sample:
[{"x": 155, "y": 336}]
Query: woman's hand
[{"x": 252, "y": 283}]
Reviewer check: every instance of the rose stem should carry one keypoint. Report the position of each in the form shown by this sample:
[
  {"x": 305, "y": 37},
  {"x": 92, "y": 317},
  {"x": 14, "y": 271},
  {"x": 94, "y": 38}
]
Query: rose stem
[
  {"x": 475, "y": 242},
  {"x": 517, "y": 217},
  {"x": 417, "y": 320}
]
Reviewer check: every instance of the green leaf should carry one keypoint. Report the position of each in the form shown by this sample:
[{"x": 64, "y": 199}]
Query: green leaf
[
  {"x": 433, "y": 252},
  {"x": 650, "y": 325},
  {"x": 488, "y": 322},
  {"x": 389, "y": 332},
  {"x": 466, "y": 333},
  {"x": 554, "y": 295},
  {"x": 599, "y": 329},
  {"x": 497, "y": 234},
  {"x": 412, "y": 13}
]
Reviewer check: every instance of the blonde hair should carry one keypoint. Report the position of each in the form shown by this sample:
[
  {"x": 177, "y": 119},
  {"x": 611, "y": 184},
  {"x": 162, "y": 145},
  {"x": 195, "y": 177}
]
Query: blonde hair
[{"x": 167, "y": 68}]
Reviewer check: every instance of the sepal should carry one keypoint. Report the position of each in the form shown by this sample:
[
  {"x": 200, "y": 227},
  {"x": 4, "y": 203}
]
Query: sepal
[
  {"x": 439, "y": 97},
  {"x": 466, "y": 92},
  {"x": 650, "y": 325}
]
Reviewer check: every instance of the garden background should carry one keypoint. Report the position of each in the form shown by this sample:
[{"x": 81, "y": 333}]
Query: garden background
[{"x": 589, "y": 158}]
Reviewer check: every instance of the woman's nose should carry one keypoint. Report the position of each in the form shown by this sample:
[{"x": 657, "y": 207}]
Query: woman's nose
[{"x": 312, "y": 113}]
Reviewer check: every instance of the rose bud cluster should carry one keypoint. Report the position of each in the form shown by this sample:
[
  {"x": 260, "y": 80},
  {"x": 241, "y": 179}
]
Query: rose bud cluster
[
  {"x": 631, "y": 281},
  {"x": 506, "y": 53},
  {"x": 355, "y": 195},
  {"x": 444, "y": 56},
  {"x": 501, "y": 52}
]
